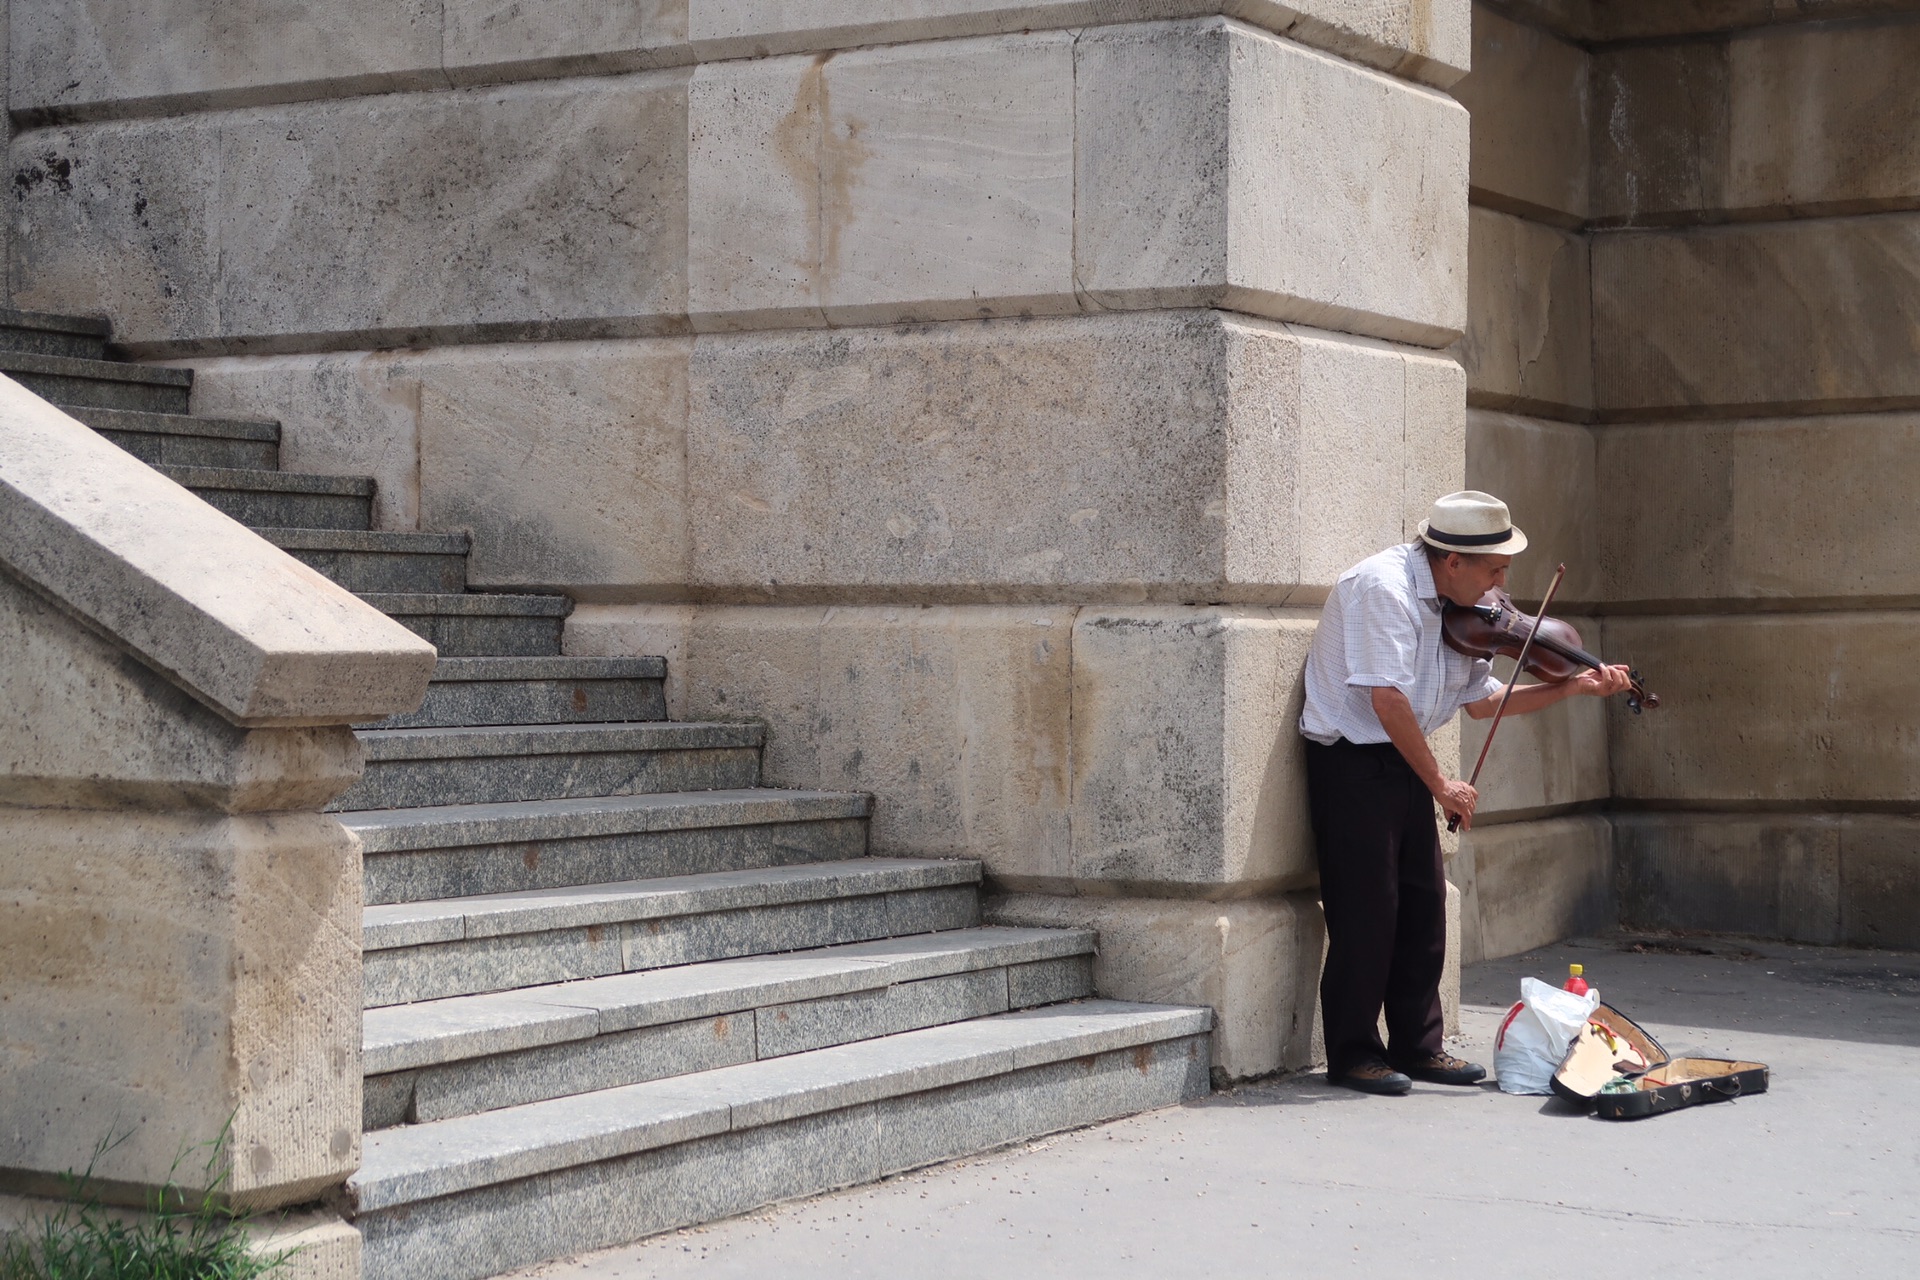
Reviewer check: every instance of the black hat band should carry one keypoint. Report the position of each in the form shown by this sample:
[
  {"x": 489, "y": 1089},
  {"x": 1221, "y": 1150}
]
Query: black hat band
[{"x": 1470, "y": 539}]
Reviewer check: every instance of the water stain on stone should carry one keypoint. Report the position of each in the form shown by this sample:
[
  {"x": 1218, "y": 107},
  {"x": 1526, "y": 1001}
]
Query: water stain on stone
[
  {"x": 530, "y": 857},
  {"x": 595, "y": 932},
  {"x": 1143, "y": 1058},
  {"x": 1420, "y": 20},
  {"x": 796, "y": 146},
  {"x": 579, "y": 698},
  {"x": 824, "y": 158}
]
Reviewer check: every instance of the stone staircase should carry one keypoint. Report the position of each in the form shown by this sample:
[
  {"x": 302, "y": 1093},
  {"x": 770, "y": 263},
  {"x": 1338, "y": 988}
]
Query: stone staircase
[{"x": 613, "y": 984}]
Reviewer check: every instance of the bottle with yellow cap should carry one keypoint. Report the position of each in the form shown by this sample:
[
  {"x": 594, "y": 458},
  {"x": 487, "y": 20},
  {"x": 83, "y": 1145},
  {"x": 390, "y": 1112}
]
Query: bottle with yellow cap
[{"x": 1576, "y": 981}]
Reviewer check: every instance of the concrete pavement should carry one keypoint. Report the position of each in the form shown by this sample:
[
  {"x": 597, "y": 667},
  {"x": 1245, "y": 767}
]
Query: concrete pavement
[{"x": 1820, "y": 1176}]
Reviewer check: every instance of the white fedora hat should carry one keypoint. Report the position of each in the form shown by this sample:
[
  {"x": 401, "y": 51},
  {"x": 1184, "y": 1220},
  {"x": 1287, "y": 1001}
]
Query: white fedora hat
[{"x": 1472, "y": 523}]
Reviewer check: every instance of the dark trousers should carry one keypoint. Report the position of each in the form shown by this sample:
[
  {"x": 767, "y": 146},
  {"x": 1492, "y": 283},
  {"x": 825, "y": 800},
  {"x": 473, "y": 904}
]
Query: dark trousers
[{"x": 1385, "y": 896}]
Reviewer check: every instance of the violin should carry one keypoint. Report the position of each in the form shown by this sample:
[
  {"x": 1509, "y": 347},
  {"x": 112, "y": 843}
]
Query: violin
[{"x": 1496, "y": 627}]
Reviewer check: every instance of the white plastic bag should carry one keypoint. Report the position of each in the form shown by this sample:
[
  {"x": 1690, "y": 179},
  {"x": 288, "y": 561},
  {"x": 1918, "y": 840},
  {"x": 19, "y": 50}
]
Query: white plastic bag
[{"x": 1536, "y": 1034}]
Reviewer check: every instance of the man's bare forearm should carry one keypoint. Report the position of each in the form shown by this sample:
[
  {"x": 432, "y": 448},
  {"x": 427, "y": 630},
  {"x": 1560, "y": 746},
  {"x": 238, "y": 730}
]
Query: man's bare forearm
[
  {"x": 1527, "y": 699},
  {"x": 1396, "y": 717}
]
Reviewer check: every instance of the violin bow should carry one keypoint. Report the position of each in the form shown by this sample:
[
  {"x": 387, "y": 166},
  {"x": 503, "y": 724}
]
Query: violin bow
[{"x": 1519, "y": 666}]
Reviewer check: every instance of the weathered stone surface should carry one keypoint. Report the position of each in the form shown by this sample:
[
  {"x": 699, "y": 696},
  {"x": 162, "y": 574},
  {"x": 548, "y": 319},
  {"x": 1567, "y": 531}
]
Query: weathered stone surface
[
  {"x": 1255, "y": 962},
  {"x": 121, "y": 220},
  {"x": 416, "y": 952},
  {"x": 1770, "y": 709},
  {"x": 1810, "y": 119},
  {"x": 315, "y": 1245},
  {"x": 1252, "y": 495},
  {"x": 507, "y": 763},
  {"x": 1049, "y": 981},
  {"x": 1772, "y": 510},
  {"x": 905, "y": 182},
  {"x": 1044, "y": 173},
  {"x": 928, "y": 182},
  {"x": 109, "y": 56},
  {"x": 81, "y": 724},
  {"x": 1159, "y": 186},
  {"x": 1538, "y": 882},
  {"x": 565, "y": 461},
  {"x": 349, "y": 199},
  {"x": 937, "y": 1093},
  {"x": 1660, "y": 138},
  {"x": 482, "y": 691},
  {"x": 1529, "y": 342},
  {"x": 191, "y": 52},
  {"x": 106, "y": 917},
  {"x": 1775, "y": 875},
  {"x": 1630, "y": 19},
  {"x": 503, "y": 40},
  {"x": 251, "y": 631},
  {"x": 160, "y": 438},
  {"x": 280, "y": 500},
  {"x": 1428, "y": 41},
  {"x": 1123, "y": 457},
  {"x": 958, "y": 717},
  {"x": 602, "y": 856},
  {"x": 1549, "y": 759},
  {"x": 907, "y": 1006},
  {"x": 602, "y": 1062},
  {"x": 1545, "y": 472},
  {"x": 1132, "y": 463},
  {"x": 354, "y": 414},
  {"x": 1793, "y": 316},
  {"x": 361, "y": 560},
  {"x": 1879, "y": 881},
  {"x": 405, "y": 1037},
  {"x": 1188, "y": 768},
  {"x": 348, "y": 203},
  {"x": 1529, "y": 99}
]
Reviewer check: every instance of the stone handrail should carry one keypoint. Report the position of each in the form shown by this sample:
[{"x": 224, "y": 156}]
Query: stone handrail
[
  {"x": 244, "y": 627},
  {"x": 179, "y": 920}
]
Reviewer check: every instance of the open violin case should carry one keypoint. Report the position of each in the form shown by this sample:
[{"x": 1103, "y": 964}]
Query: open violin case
[{"x": 1623, "y": 1073}]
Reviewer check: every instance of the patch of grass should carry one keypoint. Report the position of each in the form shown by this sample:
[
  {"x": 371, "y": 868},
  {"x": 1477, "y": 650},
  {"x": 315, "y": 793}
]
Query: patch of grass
[{"x": 181, "y": 1236}]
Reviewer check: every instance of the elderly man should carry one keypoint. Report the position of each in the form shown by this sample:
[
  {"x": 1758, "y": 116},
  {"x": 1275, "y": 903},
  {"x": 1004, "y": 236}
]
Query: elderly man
[{"x": 1380, "y": 678}]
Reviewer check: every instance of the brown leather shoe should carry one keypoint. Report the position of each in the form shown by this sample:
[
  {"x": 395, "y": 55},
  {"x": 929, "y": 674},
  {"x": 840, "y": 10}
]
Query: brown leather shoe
[
  {"x": 1372, "y": 1077},
  {"x": 1443, "y": 1068}
]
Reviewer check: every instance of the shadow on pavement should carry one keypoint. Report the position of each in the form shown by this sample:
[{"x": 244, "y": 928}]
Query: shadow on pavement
[{"x": 1735, "y": 985}]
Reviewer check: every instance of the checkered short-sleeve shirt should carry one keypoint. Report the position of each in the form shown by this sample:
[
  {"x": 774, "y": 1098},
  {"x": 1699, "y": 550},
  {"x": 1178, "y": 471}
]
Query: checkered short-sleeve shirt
[{"x": 1381, "y": 628}]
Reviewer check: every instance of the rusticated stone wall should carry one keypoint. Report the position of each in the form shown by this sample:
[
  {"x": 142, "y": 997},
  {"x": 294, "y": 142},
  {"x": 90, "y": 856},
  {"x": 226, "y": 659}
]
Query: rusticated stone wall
[
  {"x": 984, "y": 395},
  {"x": 1538, "y": 865},
  {"x": 1692, "y": 360}
]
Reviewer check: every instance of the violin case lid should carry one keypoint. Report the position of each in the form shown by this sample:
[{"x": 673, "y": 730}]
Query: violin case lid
[{"x": 1620, "y": 1070}]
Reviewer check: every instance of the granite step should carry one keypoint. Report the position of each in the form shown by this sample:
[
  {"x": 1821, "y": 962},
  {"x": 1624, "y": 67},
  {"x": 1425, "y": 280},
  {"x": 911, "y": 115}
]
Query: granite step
[
  {"x": 410, "y": 768},
  {"x": 281, "y": 499},
  {"x": 180, "y": 440},
  {"x": 444, "y": 1058},
  {"x": 496, "y": 942},
  {"x": 102, "y": 384},
  {"x": 365, "y": 561},
  {"x": 491, "y": 691},
  {"x": 413, "y": 855},
  {"x": 472, "y": 1196},
  {"x": 454, "y": 851},
  {"x": 479, "y": 625},
  {"x": 37, "y": 333}
]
